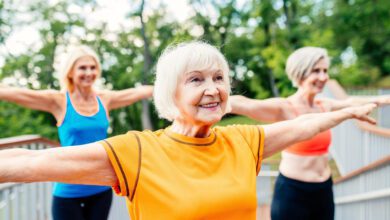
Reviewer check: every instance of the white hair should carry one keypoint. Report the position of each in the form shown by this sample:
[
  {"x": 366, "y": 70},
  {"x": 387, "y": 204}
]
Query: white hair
[
  {"x": 76, "y": 53},
  {"x": 177, "y": 60},
  {"x": 301, "y": 62}
]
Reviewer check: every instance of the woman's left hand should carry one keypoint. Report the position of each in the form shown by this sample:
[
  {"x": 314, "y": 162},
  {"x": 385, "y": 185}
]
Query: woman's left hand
[{"x": 383, "y": 100}]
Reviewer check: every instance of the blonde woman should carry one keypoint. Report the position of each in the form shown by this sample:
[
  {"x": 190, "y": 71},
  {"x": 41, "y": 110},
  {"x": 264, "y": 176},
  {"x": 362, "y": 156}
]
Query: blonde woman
[
  {"x": 189, "y": 170},
  {"x": 303, "y": 189},
  {"x": 82, "y": 117}
]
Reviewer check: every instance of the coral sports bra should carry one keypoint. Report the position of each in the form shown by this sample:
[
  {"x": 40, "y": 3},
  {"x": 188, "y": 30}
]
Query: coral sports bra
[{"x": 318, "y": 145}]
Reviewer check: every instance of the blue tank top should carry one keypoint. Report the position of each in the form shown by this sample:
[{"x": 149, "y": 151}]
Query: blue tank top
[{"x": 78, "y": 129}]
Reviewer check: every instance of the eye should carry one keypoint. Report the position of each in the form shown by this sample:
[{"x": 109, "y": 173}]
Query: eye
[
  {"x": 315, "y": 71},
  {"x": 82, "y": 68},
  {"x": 195, "y": 79},
  {"x": 93, "y": 67},
  {"x": 219, "y": 78}
]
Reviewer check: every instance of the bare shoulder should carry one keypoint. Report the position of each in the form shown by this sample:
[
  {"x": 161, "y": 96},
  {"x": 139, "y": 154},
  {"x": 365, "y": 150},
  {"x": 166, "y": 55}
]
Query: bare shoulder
[
  {"x": 59, "y": 97},
  {"x": 104, "y": 95}
]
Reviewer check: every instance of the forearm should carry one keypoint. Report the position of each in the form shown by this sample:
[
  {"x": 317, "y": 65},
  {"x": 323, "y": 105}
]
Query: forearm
[
  {"x": 237, "y": 103},
  {"x": 358, "y": 100},
  {"x": 279, "y": 136},
  {"x": 86, "y": 164},
  {"x": 145, "y": 91},
  {"x": 309, "y": 125},
  {"x": 15, "y": 165},
  {"x": 267, "y": 110}
]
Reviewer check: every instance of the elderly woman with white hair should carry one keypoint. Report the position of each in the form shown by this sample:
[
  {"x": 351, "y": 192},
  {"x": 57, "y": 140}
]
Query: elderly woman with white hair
[
  {"x": 303, "y": 189},
  {"x": 82, "y": 117},
  {"x": 189, "y": 170}
]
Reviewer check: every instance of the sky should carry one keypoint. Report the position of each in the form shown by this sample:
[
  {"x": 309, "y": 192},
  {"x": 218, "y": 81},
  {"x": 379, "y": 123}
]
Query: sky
[{"x": 114, "y": 14}]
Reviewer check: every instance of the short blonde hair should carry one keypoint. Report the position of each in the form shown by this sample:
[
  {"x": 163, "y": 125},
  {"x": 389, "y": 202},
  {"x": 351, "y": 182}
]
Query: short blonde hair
[
  {"x": 301, "y": 62},
  {"x": 177, "y": 60},
  {"x": 76, "y": 53}
]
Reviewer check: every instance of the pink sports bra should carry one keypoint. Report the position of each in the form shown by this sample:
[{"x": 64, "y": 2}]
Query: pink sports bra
[{"x": 318, "y": 145}]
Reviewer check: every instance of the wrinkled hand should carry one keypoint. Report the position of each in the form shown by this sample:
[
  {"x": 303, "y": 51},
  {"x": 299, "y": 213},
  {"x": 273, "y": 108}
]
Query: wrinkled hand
[{"x": 362, "y": 112}]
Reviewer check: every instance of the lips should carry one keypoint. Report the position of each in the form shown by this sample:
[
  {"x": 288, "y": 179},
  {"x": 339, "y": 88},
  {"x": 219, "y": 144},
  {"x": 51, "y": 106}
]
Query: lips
[{"x": 210, "y": 105}]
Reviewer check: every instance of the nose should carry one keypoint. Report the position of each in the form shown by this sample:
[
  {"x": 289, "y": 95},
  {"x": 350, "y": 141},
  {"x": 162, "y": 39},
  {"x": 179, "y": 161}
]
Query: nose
[
  {"x": 324, "y": 76},
  {"x": 88, "y": 71},
  {"x": 211, "y": 88}
]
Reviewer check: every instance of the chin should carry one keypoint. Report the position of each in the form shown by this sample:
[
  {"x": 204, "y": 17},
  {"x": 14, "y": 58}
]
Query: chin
[{"x": 210, "y": 121}]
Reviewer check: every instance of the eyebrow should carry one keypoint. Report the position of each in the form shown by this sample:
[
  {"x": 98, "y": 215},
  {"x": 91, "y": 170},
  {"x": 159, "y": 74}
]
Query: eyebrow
[{"x": 200, "y": 71}]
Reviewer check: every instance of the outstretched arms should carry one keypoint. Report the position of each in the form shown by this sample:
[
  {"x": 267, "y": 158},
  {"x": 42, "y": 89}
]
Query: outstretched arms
[
  {"x": 44, "y": 100},
  {"x": 283, "y": 134},
  {"x": 268, "y": 110},
  {"x": 122, "y": 98},
  {"x": 86, "y": 164},
  {"x": 356, "y": 101}
]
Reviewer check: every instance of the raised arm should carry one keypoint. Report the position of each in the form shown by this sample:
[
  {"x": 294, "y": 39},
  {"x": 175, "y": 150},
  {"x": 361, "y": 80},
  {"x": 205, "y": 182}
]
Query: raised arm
[
  {"x": 122, "y": 98},
  {"x": 267, "y": 110},
  {"x": 356, "y": 101},
  {"x": 283, "y": 134},
  {"x": 43, "y": 100},
  {"x": 88, "y": 164}
]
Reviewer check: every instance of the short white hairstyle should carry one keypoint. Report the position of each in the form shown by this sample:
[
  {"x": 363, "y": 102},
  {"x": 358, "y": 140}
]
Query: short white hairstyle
[
  {"x": 301, "y": 62},
  {"x": 177, "y": 60},
  {"x": 76, "y": 53}
]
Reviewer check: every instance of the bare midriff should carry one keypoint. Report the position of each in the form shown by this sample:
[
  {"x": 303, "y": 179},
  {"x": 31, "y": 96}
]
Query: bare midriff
[{"x": 314, "y": 168}]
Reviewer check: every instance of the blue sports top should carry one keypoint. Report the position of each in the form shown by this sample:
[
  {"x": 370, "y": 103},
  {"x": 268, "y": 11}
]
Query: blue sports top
[{"x": 78, "y": 129}]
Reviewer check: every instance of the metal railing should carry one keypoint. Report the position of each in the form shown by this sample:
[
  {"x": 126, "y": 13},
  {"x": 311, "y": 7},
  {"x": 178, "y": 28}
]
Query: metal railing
[
  {"x": 356, "y": 144},
  {"x": 362, "y": 154}
]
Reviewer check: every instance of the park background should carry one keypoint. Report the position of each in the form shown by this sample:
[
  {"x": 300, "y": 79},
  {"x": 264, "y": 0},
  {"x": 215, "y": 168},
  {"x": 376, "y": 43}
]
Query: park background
[{"x": 256, "y": 36}]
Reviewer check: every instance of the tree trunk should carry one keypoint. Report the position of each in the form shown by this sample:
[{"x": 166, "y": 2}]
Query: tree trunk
[{"x": 145, "y": 116}]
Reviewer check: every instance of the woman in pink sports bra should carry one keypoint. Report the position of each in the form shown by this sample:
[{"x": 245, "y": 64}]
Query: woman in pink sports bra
[{"x": 303, "y": 189}]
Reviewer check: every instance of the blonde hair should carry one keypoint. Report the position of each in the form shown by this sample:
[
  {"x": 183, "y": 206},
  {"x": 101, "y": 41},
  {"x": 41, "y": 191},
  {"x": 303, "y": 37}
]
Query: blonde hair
[
  {"x": 177, "y": 60},
  {"x": 76, "y": 53},
  {"x": 301, "y": 62}
]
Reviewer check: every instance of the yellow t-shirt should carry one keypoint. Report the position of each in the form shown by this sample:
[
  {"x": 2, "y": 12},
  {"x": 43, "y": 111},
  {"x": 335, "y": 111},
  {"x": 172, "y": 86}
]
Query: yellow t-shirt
[{"x": 165, "y": 175}]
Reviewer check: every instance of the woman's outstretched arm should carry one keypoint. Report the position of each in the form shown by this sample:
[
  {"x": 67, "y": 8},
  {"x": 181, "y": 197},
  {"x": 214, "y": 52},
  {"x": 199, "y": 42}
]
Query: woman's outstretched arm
[
  {"x": 43, "y": 100},
  {"x": 122, "y": 98},
  {"x": 335, "y": 104},
  {"x": 283, "y": 134},
  {"x": 267, "y": 110},
  {"x": 85, "y": 164}
]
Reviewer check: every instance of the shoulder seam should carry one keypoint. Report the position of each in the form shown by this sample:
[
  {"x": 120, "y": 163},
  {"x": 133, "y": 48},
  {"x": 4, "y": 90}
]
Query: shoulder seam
[
  {"x": 139, "y": 166},
  {"x": 119, "y": 165}
]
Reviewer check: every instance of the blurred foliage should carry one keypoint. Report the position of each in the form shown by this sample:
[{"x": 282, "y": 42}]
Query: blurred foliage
[{"x": 256, "y": 37}]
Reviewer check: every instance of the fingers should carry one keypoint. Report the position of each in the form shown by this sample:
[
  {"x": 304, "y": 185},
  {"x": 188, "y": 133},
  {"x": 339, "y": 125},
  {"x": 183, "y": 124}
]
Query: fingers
[
  {"x": 384, "y": 100},
  {"x": 368, "y": 119},
  {"x": 370, "y": 107}
]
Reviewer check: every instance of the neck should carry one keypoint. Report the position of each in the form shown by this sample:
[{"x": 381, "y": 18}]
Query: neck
[
  {"x": 84, "y": 93},
  {"x": 191, "y": 130},
  {"x": 305, "y": 97}
]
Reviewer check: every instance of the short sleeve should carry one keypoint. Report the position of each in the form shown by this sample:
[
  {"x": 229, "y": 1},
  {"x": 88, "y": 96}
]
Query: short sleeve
[
  {"x": 124, "y": 152},
  {"x": 254, "y": 136}
]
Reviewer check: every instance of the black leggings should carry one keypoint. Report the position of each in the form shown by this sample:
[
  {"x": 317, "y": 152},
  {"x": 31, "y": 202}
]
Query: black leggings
[
  {"x": 297, "y": 200},
  {"x": 95, "y": 207}
]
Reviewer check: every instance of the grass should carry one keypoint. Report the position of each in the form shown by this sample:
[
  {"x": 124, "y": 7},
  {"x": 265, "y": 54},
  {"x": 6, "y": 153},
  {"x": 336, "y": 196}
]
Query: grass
[{"x": 237, "y": 120}]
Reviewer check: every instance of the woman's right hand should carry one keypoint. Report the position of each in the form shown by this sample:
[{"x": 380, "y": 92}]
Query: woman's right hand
[{"x": 362, "y": 112}]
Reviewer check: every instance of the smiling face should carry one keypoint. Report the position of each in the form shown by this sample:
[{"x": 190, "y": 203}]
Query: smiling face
[
  {"x": 84, "y": 72},
  {"x": 317, "y": 78},
  {"x": 201, "y": 96}
]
